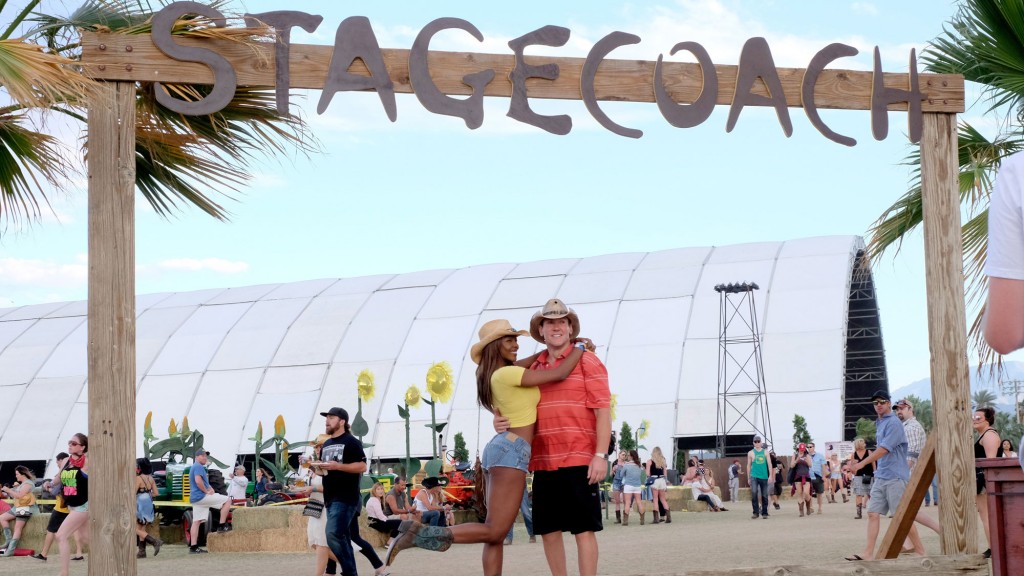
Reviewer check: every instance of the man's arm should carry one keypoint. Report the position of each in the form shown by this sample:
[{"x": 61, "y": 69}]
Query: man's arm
[
  {"x": 598, "y": 463},
  {"x": 1003, "y": 323},
  {"x": 750, "y": 462},
  {"x": 202, "y": 483},
  {"x": 351, "y": 467}
]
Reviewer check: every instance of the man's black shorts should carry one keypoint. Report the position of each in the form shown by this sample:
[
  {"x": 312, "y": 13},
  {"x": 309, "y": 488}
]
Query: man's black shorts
[
  {"x": 565, "y": 501},
  {"x": 818, "y": 484},
  {"x": 56, "y": 519}
]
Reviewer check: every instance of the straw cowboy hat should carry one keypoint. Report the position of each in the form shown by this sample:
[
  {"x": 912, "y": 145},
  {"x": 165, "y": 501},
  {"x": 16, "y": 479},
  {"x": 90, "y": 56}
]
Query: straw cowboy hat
[
  {"x": 554, "y": 309},
  {"x": 491, "y": 331}
]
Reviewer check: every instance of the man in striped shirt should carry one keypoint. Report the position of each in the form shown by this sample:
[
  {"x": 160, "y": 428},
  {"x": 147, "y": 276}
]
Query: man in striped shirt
[{"x": 568, "y": 460}]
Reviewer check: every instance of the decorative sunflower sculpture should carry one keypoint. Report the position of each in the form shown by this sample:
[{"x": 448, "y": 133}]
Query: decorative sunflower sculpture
[
  {"x": 365, "y": 390},
  {"x": 440, "y": 386},
  {"x": 412, "y": 400}
]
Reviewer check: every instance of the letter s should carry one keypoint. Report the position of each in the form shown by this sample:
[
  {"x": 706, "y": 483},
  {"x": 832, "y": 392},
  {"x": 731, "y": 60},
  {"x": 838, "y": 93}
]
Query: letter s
[{"x": 224, "y": 78}]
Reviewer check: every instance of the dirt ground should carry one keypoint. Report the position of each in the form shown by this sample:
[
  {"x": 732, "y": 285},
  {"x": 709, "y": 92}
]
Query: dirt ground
[{"x": 694, "y": 541}]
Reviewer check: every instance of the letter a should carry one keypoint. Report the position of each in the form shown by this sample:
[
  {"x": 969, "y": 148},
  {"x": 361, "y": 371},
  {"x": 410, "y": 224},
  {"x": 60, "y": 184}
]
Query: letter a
[
  {"x": 756, "y": 62},
  {"x": 355, "y": 39}
]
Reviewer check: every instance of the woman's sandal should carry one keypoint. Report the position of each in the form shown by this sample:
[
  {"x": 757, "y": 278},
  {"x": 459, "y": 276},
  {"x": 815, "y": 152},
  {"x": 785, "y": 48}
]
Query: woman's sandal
[{"x": 78, "y": 557}]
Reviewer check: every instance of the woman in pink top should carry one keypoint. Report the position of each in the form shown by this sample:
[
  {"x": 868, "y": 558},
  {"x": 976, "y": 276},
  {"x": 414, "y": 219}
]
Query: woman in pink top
[{"x": 506, "y": 386}]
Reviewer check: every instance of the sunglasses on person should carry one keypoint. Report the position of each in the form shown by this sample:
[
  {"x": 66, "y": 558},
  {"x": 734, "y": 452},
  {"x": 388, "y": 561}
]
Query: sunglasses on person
[
  {"x": 879, "y": 402},
  {"x": 73, "y": 443}
]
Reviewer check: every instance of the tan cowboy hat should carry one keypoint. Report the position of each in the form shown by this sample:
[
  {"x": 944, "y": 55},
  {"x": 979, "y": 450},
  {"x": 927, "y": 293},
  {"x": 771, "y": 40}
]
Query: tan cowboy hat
[
  {"x": 555, "y": 308},
  {"x": 491, "y": 331}
]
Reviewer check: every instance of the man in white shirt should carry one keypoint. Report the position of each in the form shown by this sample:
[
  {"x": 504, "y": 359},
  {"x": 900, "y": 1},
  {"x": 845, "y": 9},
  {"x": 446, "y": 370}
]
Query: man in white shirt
[{"x": 237, "y": 484}]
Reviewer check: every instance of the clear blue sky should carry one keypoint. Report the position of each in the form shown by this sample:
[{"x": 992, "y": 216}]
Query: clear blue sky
[{"x": 425, "y": 192}]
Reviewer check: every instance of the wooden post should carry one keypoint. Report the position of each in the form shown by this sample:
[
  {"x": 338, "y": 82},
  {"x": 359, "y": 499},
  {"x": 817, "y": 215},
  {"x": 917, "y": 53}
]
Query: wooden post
[
  {"x": 111, "y": 349},
  {"x": 947, "y": 335}
]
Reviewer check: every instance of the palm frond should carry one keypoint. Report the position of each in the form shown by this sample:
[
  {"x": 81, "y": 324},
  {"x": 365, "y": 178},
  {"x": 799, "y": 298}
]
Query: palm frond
[
  {"x": 978, "y": 159},
  {"x": 24, "y": 153},
  {"x": 39, "y": 79},
  {"x": 984, "y": 42}
]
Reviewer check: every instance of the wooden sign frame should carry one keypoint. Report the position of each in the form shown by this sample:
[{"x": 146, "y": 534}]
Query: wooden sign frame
[{"x": 119, "y": 60}]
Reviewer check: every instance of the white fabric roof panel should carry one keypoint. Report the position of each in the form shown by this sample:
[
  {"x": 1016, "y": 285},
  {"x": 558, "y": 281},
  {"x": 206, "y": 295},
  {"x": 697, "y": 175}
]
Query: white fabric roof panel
[
  {"x": 315, "y": 335},
  {"x": 70, "y": 357},
  {"x": 229, "y": 358},
  {"x": 40, "y": 412},
  {"x": 192, "y": 345},
  {"x": 465, "y": 292},
  {"x": 21, "y": 359},
  {"x": 524, "y": 292},
  {"x": 366, "y": 341},
  {"x": 594, "y": 287},
  {"x": 304, "y": 289},
  {"x": 256, "y": 336}
]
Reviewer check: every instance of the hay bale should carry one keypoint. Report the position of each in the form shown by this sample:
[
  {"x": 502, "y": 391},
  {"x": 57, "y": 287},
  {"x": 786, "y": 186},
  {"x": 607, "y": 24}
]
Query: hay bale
[
  {"x": 262, "y": 517},
  {"x": 696, "y": 506}
]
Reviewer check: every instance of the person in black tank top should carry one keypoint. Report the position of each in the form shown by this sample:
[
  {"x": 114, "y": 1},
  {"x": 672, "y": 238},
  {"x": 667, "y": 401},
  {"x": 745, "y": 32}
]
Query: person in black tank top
[
  {"x": 659, "y": 488},
  {"x": 988, "y": 445},
  {"x": 75, "y": 492},
  {"x": 862, "y": 478}
]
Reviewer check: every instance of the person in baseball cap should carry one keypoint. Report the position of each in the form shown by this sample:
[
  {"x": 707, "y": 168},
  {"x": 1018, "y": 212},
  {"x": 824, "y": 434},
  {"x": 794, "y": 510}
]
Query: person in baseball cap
[{"x": 881, "y": 395}]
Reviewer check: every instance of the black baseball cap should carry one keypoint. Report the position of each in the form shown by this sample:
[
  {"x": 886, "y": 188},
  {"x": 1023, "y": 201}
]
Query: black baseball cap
[
  {"x": 339, "y": 412},
  {"x": 883, "y": 394}
]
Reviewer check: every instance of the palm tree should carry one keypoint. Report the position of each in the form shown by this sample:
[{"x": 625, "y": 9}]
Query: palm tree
[
  {"x": 179, "y": 161},
  {"x": 984, "y": 42},
  {"x": 983, "y": 398}
]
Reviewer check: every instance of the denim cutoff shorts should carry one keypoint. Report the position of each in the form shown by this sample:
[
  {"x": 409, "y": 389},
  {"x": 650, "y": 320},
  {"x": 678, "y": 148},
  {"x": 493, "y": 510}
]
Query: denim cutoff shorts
[{"x": 507, "y": 450}]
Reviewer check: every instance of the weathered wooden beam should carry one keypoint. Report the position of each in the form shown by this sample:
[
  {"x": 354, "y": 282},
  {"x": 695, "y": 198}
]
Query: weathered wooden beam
[
  {"x": 111, "y": 347},
  {"x": 947, "y": 334},
  {"x": 920, "y": 481},
  {"x": 929, "y": 565},
  {"x": 135, "y": 58}
]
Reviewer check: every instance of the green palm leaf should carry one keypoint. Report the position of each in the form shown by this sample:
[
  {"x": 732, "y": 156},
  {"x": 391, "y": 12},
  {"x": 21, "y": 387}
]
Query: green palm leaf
[{"x": 180, "y": 161}]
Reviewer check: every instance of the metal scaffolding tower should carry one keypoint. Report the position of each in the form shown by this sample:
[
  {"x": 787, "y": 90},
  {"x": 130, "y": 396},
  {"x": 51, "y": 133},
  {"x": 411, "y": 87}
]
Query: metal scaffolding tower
[{"x": 741, "y": 391}]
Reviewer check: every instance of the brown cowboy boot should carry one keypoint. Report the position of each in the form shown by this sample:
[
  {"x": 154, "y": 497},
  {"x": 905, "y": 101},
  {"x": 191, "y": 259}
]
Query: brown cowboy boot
[
  {"x": 156, "y": 543},
  {"x": 618, "y": 517},
  {"x": 625, "y": 518},
  {"x": 668, "y": 516},
  {"x": 860, "y": 508},
  {"x": 801, "y": 505},
  {"x": 657, "y": 517},
  {"x": 642, "y": 514},
  {"x": 142, "y": 548},
  {"x": 412, "y": 533}
]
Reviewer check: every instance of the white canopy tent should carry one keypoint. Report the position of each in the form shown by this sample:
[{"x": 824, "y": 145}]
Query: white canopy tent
[{"x": 230, "y": 358}]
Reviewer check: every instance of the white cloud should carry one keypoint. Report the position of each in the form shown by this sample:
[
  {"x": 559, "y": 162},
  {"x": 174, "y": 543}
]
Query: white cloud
[
  {"x": 198, "y": 264},
  {"x": 42, "y": 273}
]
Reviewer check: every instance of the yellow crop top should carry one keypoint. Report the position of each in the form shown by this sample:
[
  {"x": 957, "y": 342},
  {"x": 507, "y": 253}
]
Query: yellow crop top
[{"x": 516, "y": 403}]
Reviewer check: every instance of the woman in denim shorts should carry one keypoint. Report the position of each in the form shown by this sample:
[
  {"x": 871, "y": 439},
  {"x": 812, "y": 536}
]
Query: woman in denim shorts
[{"x": 508, "y": 387}]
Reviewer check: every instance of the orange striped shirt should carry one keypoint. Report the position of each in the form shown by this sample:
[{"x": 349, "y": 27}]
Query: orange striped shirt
[{"x": 566, "y": 423}]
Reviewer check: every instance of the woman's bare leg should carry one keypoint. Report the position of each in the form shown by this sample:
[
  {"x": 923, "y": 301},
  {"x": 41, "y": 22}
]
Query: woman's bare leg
[
  {"x": 982, "y": 502},
  {"x": 72, "y": 524},
  {"x": 321, "y": 560},
  {"x": 501, "y": 514}
]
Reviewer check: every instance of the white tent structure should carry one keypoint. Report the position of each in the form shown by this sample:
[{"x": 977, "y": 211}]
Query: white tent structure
[{"x": 231, "y": 358}]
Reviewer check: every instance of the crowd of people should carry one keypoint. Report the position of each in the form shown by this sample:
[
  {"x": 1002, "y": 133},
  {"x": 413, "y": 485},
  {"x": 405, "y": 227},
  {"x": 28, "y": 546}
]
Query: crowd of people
[{"x": 549, "y": 410}]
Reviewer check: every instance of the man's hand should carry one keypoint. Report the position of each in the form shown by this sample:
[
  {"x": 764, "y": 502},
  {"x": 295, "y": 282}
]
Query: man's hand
[
  {"x": 855, "y": 466},
  {"x": 500, "y": 422},
  {"x": 598, "y": 469}
]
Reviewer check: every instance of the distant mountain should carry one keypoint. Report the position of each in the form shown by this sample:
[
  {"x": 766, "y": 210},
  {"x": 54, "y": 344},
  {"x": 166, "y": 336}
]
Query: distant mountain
[{"x": 1004, "y": 403}]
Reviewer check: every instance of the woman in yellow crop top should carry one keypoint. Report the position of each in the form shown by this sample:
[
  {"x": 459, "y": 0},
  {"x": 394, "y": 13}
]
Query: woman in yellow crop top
[{"x": 506, "y": 385}]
